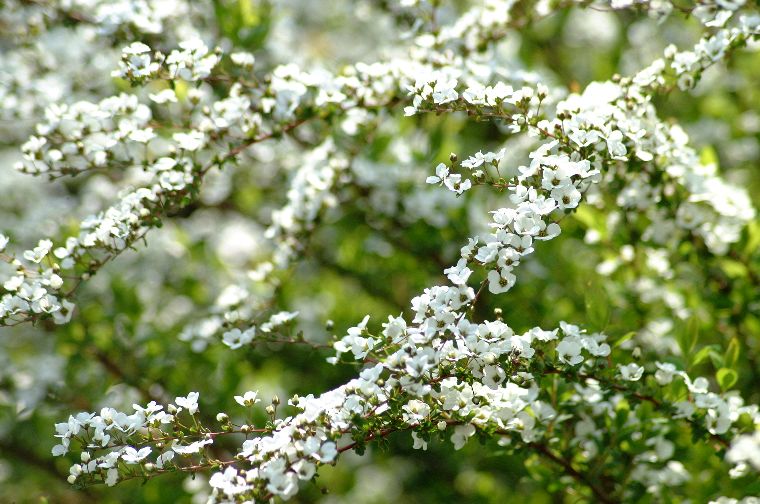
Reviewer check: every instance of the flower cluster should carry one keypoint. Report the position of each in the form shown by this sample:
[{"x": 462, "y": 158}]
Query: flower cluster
[{"x": 108, "y": 456}]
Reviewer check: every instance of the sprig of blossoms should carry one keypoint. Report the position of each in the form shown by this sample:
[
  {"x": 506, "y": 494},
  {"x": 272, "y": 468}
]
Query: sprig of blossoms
[{"x": 440, "y": 373}]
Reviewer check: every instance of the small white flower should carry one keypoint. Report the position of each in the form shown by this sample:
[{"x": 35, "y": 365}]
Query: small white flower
[
  {"x": 745, "y": 448},
  {"x": 665, "y": 372},
  {"x": 132, "y": 456},
  {"x": 136, "y": 48},
  {"x": 461, "y": 434},
  {"x": 419, "y": 443},
  {"x": 615, "y": 145},
  {"x": 190, "y": 402},
  {"x": 39, "y": 252},
  {"x": 500, "y": 280},
  {"x": 194, "y": 447},
  {"x": 454, "y": 183},
  {"x": 415, "y": 411},
  {"x": 278, "y": 319},
  {"x": 569, "y": 351},
  {"x": 631, "y": 372},
  {"x": 13, "y": 283},
  {"x": 164, "y": 96},
  {"x": 190, "y": 141},
  {"x": 162, "y": 459},
  {"x": 235, "y": 338},
  {"x": 458, "y": 274},
  {"x": 441, "y": 172},
  {"x": 243, "y": 59},
  {"x": 248, "y": 399}
]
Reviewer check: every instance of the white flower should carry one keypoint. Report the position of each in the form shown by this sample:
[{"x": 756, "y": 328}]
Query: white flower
[
  {"x": 354, "y": 342},
  {"x": 13, "y": 283},
  {"x": 192, "y": 448},
  {"x": 136, "y": 48},
  {"x": 394, "y": 328},
  {"x": 326, "y": 453},
  {"x": 278, "y": 319},
  {"x": 665, "y": 372},
  {"x": 698, "y": 386},
  {"x": 39, "y": 252},
  {"x": 136, "y": 62},
  {"x": 631, "y": 372},
  {"x": 441, "y": 172},
  {"x": 162, "y": 459},
  {"x": 283, "y": 484},
  {"x": 304, "y": 469},
  {"x": 569, "y": 351},
  {"x": 248, "y": 399},
  {"x": 415, "y": 411},
  {"x": 419, "y": 443},
  {"x": 112, "y": 476},
  {"x": 615, "y": 145},
  {"x": 142, "y": 135},
  {"x": 3, "y": 242},
  {"x": 479, "y": 158},
  {"x": 235, "y": 338},
  {"x": 461, "y": 434},
  {"x": 565, "y": 196},
  {"x": 164, "y": 96},
  {"x": 444, "y": 91},
  {"x": 190, "y": 402},
  {"x": 229, "y": 482},
  {"x": 458, "y": 274},
  {"x": 133, "y": 456},
  {"x": 243, "y": 59},
  {"x": 745, "y": 448},
  {"x": 500, "y": 280},
  {"x": 454, "y": 183},
  {"x": 191, "y": 141}
]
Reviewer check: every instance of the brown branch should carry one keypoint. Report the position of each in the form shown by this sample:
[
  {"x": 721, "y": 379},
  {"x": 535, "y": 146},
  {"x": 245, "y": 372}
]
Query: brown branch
[{"x": 599, "y": 493}]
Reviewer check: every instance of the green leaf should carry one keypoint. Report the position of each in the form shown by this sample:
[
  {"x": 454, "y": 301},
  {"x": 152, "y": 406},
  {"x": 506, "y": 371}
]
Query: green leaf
[
  {"x": 726, "y": 378},
  {"x": 249, "y": 15},
  {"x": 734, "y": 269},
  {"x": 688, "y": 336},
  {"x": 709, "y": 351},
  {"x": 624, "y": 338},
  {"x": 753, "y": 238},
  {"x": 708, "y": 156},
  {"x": 597, "y": 305},
  {"x": 732, "y": 353}
]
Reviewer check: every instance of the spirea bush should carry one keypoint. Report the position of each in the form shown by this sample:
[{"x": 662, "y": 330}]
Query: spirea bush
[{"x": 379, "y": 251}]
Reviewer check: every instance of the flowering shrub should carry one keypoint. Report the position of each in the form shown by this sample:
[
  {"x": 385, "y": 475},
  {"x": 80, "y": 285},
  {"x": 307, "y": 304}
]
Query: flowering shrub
[{"x": 244, "y": 244}]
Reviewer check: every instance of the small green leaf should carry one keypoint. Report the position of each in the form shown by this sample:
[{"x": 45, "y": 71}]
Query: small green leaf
[
  {"x": 249, "y": 15},
  {"x": 753, "y": 238},
  {"x": 726, "y": 378},
  {"x": 624, "y": 338},
  {"x": 708, "y": 156},
  {"x": 688, "y": 336},
  {"x": 734, "y": 269},
  {"x": 731, "y": 356},
  {"x": 709, "y": 351}
]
